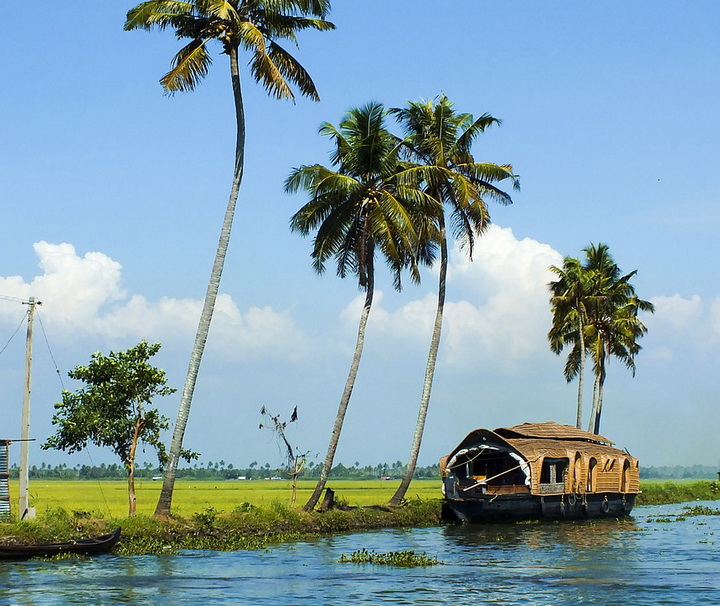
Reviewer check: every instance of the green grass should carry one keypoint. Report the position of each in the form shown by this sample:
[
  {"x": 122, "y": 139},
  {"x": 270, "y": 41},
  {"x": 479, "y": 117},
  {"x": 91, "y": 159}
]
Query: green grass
[
  {"x": 245, "y": 527},
  {"x": 108, "y": 498},
  {"x": 660, "y": 492}
]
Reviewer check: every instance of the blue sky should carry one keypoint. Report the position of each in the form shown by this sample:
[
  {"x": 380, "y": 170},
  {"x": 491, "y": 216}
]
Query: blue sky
[{"x": 113, "y": 196}]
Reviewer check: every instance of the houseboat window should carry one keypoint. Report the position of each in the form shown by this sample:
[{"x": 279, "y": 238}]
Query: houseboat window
[
  {"x": 554, "y": 471},
  {"x": 591, "y": 475},
  {"x": 625, "y": 479}
]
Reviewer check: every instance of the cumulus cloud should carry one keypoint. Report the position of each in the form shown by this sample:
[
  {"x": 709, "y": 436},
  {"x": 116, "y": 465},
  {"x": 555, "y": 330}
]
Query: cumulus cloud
[
  {"x": 497, "y": 305},
  {"x": 684, "y": 322},
  {"x": 83, "y": 297}
]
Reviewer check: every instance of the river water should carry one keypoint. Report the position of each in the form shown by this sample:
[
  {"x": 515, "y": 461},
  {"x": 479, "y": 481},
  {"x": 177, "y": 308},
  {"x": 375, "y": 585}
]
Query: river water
[{"x": 652, "y": 558}]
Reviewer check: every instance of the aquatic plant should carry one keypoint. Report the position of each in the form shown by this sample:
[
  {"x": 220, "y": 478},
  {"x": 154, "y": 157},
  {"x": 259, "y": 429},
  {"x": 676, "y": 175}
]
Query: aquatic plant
[
  {"x": 700, "y": 510},
  {"x": 405, "y": 559}
]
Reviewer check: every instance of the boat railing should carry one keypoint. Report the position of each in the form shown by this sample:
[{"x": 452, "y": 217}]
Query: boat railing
[{"x": 554, "y": 488}]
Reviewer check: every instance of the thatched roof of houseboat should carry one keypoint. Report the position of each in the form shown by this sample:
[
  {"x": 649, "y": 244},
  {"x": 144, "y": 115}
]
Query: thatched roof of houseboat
[
  {"x": 532, "y": 449},
  {"x": 534, "y": 440},
  {"x": 550, "y": 430}
]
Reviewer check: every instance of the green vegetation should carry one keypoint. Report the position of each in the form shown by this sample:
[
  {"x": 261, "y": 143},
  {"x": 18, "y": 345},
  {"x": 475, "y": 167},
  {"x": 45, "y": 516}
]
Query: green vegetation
[
  {"x": 108, "y": 498},
  {"x": 112, "y": 409},
  {"x": 437, "y": 148},
  {"x": 245, "y": 527},
  {"x": 405, "y": 559},
  {"x": 358, "y": 209},
  {"x": 226, "y": 471},
  {"x": 595, "y": 311},
  {"x": 659, "y": 493}
]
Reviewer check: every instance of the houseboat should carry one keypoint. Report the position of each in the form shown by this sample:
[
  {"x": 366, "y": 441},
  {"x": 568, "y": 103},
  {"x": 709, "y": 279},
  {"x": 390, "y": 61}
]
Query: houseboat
[{"x": 537, "y": 470}]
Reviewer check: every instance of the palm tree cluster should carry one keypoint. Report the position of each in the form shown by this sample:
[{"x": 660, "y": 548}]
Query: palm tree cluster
[
  {"x": 387, "y": 195},
  {"x": 595, "y": 312},
  {"x": 400, "y": 197}
]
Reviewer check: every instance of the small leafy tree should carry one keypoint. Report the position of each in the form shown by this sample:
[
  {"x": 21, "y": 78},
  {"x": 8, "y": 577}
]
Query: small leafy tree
[{"x": 113, "y": 409}]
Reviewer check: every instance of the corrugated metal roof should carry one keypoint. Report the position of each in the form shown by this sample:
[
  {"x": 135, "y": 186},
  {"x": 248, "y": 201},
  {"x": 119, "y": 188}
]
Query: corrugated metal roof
[{"x": 550, "y": 430}]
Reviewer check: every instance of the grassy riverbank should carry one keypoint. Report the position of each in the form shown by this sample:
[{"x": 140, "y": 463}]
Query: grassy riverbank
[
  {"x": 660, "y": 492},
  {"x": 245, "y": 527}
]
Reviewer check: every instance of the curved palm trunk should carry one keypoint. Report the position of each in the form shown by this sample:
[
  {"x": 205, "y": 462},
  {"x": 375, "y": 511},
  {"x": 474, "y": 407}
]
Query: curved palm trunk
[
  {"x": 399, "y": 495},
  {"x": 347, "y": 392},
  {"x": 599, "y": 400},
  {"x": 163, "y": 506},
  {"x": 594, "y": 424}
]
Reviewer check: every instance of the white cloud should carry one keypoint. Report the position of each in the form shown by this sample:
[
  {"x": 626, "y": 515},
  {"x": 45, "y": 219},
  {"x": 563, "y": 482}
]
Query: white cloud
[
  {"x": 83, "y": 297},
  {"x": 497, "y": 305},
  {"x": 678, "y": 312}
]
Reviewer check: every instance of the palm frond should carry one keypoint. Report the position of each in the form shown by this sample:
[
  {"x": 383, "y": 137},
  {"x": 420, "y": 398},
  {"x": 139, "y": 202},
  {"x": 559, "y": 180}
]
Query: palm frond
[
  {"x": 292, "y": 70},
  {"x": 157, "y": 13},
  {"x": 189, "y": 67}
]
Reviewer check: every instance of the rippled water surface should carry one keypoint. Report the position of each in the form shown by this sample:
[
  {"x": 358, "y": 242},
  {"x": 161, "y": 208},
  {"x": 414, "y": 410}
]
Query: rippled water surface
[{"x": 652, "y": 558}]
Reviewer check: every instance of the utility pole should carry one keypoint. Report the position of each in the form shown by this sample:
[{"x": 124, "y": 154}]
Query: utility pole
[{"x": 25, "y": 511}]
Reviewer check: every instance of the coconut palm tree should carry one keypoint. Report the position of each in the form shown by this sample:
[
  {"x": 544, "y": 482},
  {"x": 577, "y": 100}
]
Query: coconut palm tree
[
  {"x": 358, "y": 209},
  {"x": 569, "y": 296},
  {"x": 438, "y": 145},
  {"x": 613, "y": 327},
  {"x": 254, "y": 26}
]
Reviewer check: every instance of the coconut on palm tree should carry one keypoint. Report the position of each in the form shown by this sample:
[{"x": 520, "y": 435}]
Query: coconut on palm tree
[
  {"x": 357, "y": 210},
  {"x": 437, "y": 146},
  {"x": 256, "y": 27}
]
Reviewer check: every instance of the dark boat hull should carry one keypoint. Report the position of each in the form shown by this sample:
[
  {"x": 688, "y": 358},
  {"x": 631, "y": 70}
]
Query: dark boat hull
[
  {"x": 92, "y": 546},
  {"x": 511, "y": 507}
]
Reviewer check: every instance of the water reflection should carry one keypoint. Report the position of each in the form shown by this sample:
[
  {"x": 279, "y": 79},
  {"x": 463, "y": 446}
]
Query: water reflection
[{"x": 637, "y": 562}]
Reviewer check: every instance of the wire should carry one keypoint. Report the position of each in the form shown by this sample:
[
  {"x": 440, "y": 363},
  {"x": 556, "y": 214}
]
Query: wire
[
  {"x": 15, "y": 333},
  {"x": 14, "y": 299},
  {"x": 52, "y": 357}
]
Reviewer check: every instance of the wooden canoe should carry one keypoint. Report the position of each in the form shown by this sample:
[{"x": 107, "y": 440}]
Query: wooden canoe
[{"x": 94, "y": 545}]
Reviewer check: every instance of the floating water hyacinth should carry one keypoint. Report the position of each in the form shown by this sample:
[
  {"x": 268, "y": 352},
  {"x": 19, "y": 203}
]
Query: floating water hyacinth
[{"x": 392, "y": 558}]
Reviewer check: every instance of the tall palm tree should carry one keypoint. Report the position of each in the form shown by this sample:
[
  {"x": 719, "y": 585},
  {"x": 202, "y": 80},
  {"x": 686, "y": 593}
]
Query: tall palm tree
[
  {"x": 356, "y": 209},
  {"x": 569, "y": 297},
  {"x": 256, "y": 26},
  {"x": 438, "y": 145},
  {"x": 613, "y": 327}
]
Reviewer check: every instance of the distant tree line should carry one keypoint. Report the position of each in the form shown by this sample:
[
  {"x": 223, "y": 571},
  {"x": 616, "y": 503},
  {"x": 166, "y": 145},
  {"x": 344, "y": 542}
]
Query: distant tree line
[
  {"x": 221, "y": 471},
  {"x": 680, "y": 472},
  {"x": 254, "y": 471}
]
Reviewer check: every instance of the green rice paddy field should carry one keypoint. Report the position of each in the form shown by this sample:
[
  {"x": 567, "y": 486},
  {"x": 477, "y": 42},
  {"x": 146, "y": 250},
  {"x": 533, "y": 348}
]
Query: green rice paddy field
[{"x": 109, "y": 497}]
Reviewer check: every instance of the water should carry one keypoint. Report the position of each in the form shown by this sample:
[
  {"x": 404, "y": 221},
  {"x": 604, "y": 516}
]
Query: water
[{"x": 638, "y": 561}]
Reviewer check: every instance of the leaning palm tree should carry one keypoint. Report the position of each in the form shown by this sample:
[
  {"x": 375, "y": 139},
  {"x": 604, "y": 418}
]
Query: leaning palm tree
[
  {"x": 254, "y": 26},
  {"x": 569, "y": 297},
  {"x": 357, "y": 209},
  {"x": 613, "y": 327},
  {"x": 438, "y": 146}
]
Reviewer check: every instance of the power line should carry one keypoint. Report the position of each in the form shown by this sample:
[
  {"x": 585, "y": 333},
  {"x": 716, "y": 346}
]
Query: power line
[
  {"x": 22, "y": 321},
  {"x": 52, "y": 357}
]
